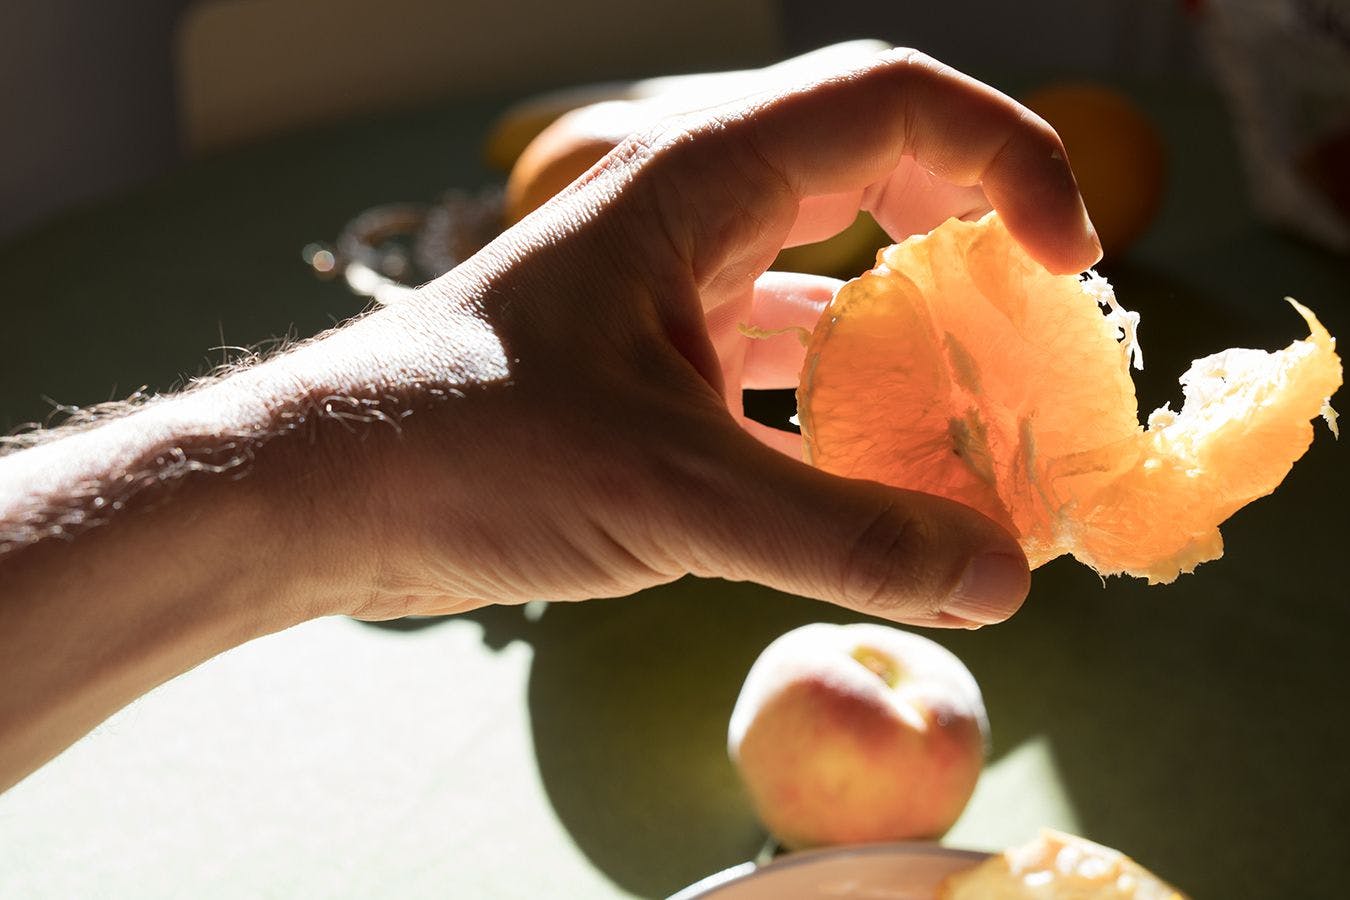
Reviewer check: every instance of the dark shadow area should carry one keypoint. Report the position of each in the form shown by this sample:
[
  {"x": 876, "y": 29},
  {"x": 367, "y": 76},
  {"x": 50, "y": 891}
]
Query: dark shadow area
[
  {"x": 1179, "y": 323},
  {"x": 410, "y": 623},
  {"x": 773, "y": 408},
  {"x": 629, "y": 702}
]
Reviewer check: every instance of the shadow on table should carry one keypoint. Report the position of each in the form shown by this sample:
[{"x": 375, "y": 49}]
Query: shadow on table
[{"x": 1191, "y": 725}]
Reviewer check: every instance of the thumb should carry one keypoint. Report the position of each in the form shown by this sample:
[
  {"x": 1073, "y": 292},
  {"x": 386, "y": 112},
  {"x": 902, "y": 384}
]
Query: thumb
[{"x": 901, "y": 555}]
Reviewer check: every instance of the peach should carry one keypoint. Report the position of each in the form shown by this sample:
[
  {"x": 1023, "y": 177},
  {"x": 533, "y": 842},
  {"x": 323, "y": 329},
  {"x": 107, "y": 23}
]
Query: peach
[{"x": 857, "y": 733}]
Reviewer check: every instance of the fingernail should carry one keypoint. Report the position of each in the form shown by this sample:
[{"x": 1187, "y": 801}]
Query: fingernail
[{"x": 991, "y": 589}]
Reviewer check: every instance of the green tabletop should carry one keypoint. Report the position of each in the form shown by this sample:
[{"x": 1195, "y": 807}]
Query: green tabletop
[{"x": 1201, "y": 726}]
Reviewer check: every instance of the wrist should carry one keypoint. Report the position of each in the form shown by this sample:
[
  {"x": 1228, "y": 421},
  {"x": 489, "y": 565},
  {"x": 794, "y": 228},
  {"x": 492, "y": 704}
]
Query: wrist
[
  {"x": 299, "y": 431},
  {"x": 353, "y": 434},
  {"x": 347, "y": 434}
]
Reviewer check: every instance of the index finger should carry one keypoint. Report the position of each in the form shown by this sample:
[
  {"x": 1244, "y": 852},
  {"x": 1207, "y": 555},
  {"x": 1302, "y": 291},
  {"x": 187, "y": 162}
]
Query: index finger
[{"x": 848, "y": 133}]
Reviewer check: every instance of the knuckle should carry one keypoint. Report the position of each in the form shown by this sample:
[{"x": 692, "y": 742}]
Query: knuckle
[
  {"x": 710, "y": 189},
  {"x": 906, "y": 56},
  {"x": 1041, "y": 131},
  {"x": 888, "y": 561},
  {"x": 916, "y": 64},
  {"x": 636, "y": 150}
]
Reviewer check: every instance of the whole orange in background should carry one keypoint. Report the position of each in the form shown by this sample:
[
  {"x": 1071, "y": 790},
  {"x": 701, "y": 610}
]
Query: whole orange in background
[{"x": 1116, "y": 153}]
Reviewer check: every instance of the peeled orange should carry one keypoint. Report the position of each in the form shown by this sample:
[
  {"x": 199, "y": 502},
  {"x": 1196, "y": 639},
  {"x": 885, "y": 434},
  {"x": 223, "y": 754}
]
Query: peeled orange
[
  {"x": 960, "y": 367},
  {"x": 1056, "y": 864}
]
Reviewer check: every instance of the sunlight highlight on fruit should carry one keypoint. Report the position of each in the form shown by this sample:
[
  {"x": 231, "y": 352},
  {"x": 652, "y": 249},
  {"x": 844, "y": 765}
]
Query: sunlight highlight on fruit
[{"x": 960, "y": 367}]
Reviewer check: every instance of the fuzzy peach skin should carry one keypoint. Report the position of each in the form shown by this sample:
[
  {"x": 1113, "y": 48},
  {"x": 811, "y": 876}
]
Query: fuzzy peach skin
[{"x": 858, "y": 733}]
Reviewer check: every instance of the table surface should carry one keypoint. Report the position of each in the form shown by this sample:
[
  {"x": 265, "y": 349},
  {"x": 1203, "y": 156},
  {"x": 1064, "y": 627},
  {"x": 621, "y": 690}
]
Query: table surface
[{"x": 581, "y": 753}]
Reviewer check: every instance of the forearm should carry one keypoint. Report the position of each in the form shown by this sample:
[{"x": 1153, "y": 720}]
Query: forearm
[
  {"x": 144, "y": 545},
  {"x": 90, "y": 623}
]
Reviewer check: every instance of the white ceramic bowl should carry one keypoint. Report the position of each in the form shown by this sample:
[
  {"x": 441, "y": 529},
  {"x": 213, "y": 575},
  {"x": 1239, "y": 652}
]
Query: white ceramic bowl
[{"x": 911, "y": 871}]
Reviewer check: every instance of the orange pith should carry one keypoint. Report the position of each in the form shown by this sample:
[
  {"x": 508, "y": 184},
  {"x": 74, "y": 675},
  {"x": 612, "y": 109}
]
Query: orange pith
[{"x": 960, "y": 367}]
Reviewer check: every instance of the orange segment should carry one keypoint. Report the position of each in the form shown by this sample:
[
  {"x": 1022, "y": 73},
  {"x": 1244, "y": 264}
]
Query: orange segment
[
  {"x": 1245, "y": 421},
  {"x": 959, "y": 367}
]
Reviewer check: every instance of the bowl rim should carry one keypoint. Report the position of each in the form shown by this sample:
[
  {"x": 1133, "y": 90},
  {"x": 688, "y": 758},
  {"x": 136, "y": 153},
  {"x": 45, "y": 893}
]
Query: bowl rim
[{"x": 747, "y": 870}]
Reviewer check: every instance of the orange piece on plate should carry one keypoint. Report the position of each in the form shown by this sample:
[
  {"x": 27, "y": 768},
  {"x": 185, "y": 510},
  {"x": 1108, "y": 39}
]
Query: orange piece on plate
[
  {"x": 960, "y": 367},
  {"x": 1058, "y": 866}
]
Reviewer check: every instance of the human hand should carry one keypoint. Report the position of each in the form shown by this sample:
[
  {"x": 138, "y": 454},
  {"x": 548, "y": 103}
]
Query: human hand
[
  {"x": 570, "y": 409},
  {"x": 557, "y": 418}
]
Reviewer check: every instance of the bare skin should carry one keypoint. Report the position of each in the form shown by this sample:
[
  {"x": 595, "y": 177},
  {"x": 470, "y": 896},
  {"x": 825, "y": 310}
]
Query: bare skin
[{"x": 557, "y": 418}]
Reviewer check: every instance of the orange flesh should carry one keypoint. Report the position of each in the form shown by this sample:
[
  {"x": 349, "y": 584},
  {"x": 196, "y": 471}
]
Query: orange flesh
[{"x": 959, "y": 367}]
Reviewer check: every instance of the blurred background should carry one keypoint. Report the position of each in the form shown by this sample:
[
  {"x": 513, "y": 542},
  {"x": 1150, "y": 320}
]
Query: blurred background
[
  {"x": 101, "y": 96},
  {"x": 164, "y": 163},
  {"x": 161, "y": 161}
]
